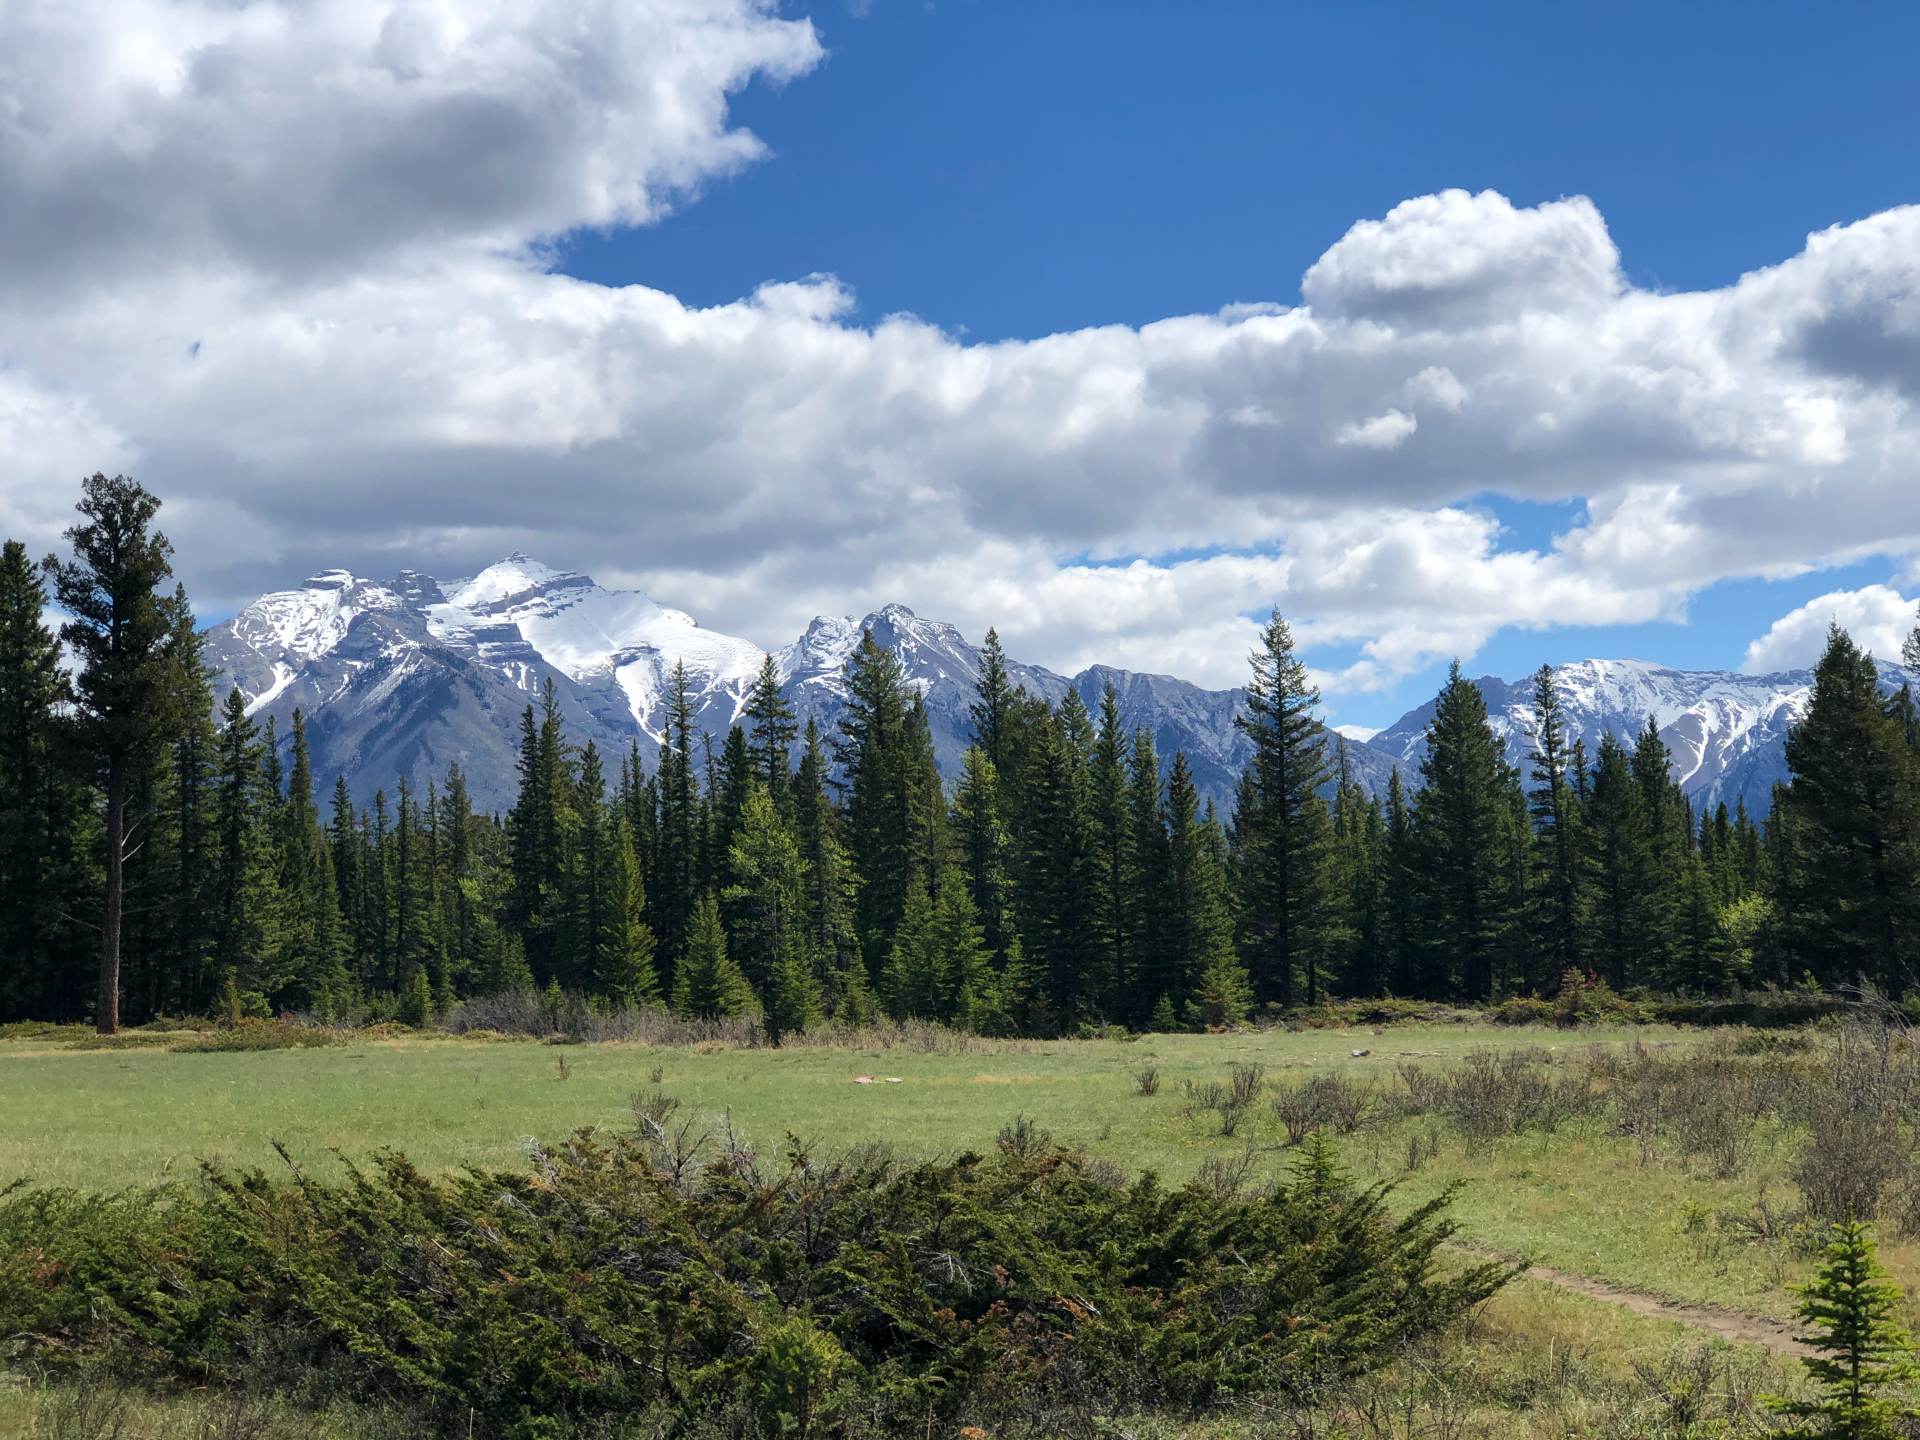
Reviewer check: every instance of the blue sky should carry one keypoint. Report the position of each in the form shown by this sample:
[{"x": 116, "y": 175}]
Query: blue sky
[
  {"x": 1007, "y": 171},
  {"x": 1597, "y": 314}
]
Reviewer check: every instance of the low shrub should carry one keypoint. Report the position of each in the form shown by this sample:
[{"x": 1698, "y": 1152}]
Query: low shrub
[
  {"x": 43, "y": 1030},
  {"x": 126, "y": 1040},
  {"x": 1324, "y": 1102},
  {"x": 606, "y": 1284},
  {"x": 260, "y": 1035},
  {"x": 1523, "y": 1010}
]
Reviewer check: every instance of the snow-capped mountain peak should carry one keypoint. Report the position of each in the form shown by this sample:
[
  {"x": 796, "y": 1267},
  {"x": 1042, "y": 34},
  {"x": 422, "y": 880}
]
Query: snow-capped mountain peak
[
  {"x": 295, "y": 626},
  {"x": 512, "y": 579}
]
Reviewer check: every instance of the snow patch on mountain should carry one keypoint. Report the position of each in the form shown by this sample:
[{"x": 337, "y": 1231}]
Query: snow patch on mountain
[{"x": 291, "y": 627}]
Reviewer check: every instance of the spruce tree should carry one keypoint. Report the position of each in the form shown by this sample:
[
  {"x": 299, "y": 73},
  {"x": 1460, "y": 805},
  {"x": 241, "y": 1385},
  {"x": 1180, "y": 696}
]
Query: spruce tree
[
  {"x": 1059, "y": 873},
  {"x": 1459, "y": 818},
  {"x": 1112, "y": 842},
  {"x": 1849, "y": 879},
  {"x": 1862, "y": 1360},
  {"x": 829, "y": 883},
  {"x": 1156, "y": 971},
  {"x": 119, "y": 631},
  {"x": 315, "y": 946},
  {"x": 40, "y": 809},
  {"x": 1212, "y": 983},
  {"x": 1620, "y": 860},
  {"x": 675, "y": 890},
  {"x": 708, "y": 985},
  {"x": 767, "y": 898},
  {"x": 248, "y": 928},
  {"x": 1400, "y": 959},
  {"x": 970, "y": 992},
  {"x": 1556, "y": 842},
  {"x": 984, "y": 850},
  {"x": 913, "y": 980},
  {"x": 993, "y": 702},
  {"x": 774, "y": 732},
  {"x": 1281, "y": 828},
  {"x": 185, "y": 824},
  {"x": 875, "y": 753},
  {"x": 1356, "y": 865},
  {"x": 1668, "y": 821}
]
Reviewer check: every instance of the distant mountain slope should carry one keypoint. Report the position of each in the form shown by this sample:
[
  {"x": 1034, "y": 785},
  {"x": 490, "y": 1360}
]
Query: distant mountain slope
[
  {"x": 403, "y": 677},
  {"x": 1726, "y": 731}
]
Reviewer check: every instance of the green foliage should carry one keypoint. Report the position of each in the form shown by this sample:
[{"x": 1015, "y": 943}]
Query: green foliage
[
  {"x": 619, "y": 1277},
  {"x": 416, "y": 1001},
  {"x": 1070, "y": 882},
  {"x": 250, "y": 1034},
  {"x": 1861, "y": 1351},
  {"x": 793, "y": 1377}
]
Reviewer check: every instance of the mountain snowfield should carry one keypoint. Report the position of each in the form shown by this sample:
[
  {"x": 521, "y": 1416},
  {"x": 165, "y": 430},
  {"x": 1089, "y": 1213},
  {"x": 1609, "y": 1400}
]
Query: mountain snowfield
[{"x": 410, "y": 675}]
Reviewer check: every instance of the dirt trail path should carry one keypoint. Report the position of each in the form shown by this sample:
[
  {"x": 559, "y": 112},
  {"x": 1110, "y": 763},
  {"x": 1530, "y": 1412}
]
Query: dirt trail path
[{"x": 1749, "y": 1329}]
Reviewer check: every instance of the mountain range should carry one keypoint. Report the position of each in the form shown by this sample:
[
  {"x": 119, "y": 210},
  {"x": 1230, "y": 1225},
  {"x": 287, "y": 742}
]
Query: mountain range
[{"x": 409, "y": 675}]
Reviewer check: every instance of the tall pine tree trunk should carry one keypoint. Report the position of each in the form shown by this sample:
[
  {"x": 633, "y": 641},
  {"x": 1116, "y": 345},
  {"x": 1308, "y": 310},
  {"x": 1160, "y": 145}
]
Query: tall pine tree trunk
[{"x": 107, "y": 1015}]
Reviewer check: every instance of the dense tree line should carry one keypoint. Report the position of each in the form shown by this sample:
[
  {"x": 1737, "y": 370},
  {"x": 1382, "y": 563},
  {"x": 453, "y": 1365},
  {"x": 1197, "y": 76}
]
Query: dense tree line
[{"x": 161, "y": 853}]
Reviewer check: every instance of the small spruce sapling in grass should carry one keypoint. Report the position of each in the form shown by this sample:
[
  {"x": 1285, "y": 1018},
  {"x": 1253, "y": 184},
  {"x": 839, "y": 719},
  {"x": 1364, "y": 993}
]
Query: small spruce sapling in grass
[
  {"x": 1863, "y": 1358},
  {"x": 1163, "y": 1021},
  {"x": 416, "y": 1001}
]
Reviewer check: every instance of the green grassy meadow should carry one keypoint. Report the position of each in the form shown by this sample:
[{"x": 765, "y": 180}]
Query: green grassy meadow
[{"x": 1578, "y": 1198}]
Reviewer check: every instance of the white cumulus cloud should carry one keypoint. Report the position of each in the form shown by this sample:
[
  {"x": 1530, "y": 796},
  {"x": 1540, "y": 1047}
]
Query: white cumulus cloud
[
  {"x": 1878, "y": 617},
  {"x": 290, "y": 265}
]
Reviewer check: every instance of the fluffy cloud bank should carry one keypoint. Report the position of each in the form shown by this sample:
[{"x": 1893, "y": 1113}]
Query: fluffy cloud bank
[
  {"x": 284, "y": 261},
  {"x": 1877, "y": 616}
]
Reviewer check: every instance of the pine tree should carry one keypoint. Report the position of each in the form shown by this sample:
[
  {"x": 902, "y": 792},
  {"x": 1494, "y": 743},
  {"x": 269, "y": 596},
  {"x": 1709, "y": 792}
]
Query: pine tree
[
  {"x": 119, "y": 629},
  {"x": 1059, "y": 869},
  {"x": 1556, "y": 844},
  {"x": 1156, "y": 971},
  {"x": 970, "y": 992},
  {"x": 1669, "y": 825},
  {"x": 249, "y": 926},
  {"x": 315, "y": 947},
  {"x": 1113, "y": 864},
  {"x": 1356, "y": 865},
  {"x": 674, "y": 889},
  {"x": 1212, "y": 981},
  {"x": 767, "y": 898},
  {"x": 1282, "y": 830},
  {"x": 985, "y": 851},
  {"x": 1400, "y": 959},
  {"x": 41, "y": 971},
  {"x": 708, "y": 985},
  {"x": 875, "y": 756},
  {"x": 829, "y": 886},
  {"x": 1620, "y": 860},
  {"x": 415, "y": 936},
  {"x": 774, "y": 732},
  {"x": 913, "y": 981},
  {"x": 993, "y": 703},
  {"x": 1849, "y": 879},
  {"x": 1458, "y": 819},
  {"x": 185, "y": 825},
  {"x": 1861, "y": 1350}
]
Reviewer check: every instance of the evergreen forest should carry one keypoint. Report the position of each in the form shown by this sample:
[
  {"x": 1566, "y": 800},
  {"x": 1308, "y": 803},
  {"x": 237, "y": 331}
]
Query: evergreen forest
[{"x": 163, "y": 853}]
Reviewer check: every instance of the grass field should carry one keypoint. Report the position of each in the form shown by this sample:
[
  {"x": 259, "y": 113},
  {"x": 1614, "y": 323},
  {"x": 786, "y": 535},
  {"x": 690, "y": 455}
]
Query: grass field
[{"x": 1579, "y": 1199}]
